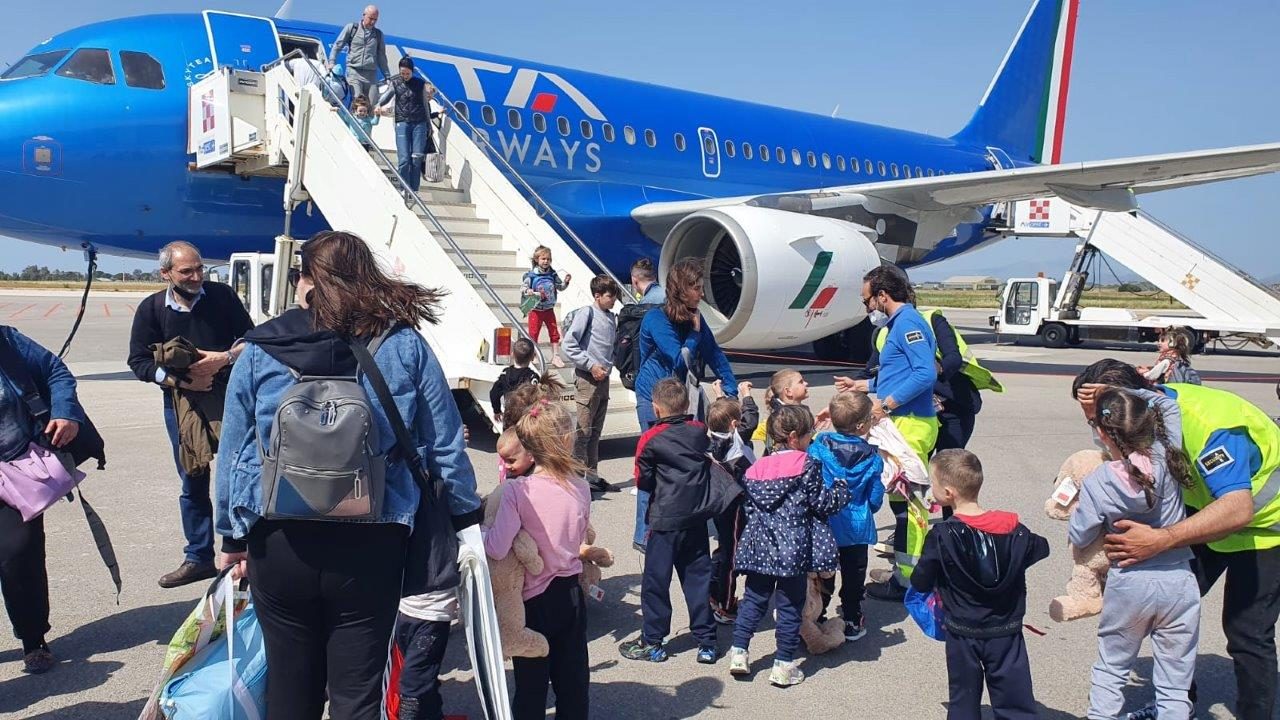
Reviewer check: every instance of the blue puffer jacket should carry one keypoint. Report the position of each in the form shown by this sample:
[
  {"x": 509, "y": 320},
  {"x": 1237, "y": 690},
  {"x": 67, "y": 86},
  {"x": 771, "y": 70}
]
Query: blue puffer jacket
[
  {"x": 858, "y": 463},
  {"x": 787, "y": 507},
  {"x": 52, "y": 379},
  {"x": 422, "y": 395}
]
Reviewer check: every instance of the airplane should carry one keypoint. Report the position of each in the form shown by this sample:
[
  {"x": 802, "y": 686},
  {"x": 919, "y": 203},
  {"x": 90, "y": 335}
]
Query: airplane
[{"x": 93, "y": 126}]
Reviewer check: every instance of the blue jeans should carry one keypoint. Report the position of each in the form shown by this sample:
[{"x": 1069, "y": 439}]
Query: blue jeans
[
  {"x": 197, "y": 509},
  {"x": 411, "y": 148},
  {"x": 644, "y": 413},
  {"x": 789, "y": 596}
]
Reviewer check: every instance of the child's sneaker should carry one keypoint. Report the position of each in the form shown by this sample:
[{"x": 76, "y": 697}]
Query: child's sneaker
[
  {"x": 1147, "y": 713},
  {"x": 855, "y": 630},
  {"x": 638, "y": 649},
  {"x": 707, "y": 655},
  {"x": 721, "y": 615},
  {"x": 785, "y": 673},
  {"x": 739, "y": 662}
]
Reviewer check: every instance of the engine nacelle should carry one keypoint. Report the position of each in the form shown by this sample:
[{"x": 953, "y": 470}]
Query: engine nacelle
[{"x": 774, "y": 278}]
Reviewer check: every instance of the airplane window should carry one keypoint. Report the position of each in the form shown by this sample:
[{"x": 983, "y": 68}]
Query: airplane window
[
  {"x": 826, "y": 161},
  {"x": 708, "y": 145},
  {"x": 587, "y": 129},
  {"x": 746, "y": 151},
  {"x": 141, "y": 70},
  {"x": 680, "y": 142},
  {"x": 629, "y": 134},
  {"x": 650, "y": 138},
  {"x": 893, "y": 168},
  {"x": 930, "y": 171},
  {"x": 607, "y": 131},
  {"x": 868, "y": 167},
  {"x": 539, "y": 122},
  {"x": 91, "y": 65},
  {"x": 34, "y": 65},
  {"x": 562, "y": 124},
  {"x": 514, "y": 119},
  {"x": 906, "y": 170},
  {"x": 490, "y": 117},
  {"x": 918, "y": 173},
  {"x": 795, "y": 156},
  {"x": 780, "y": 154},
  {"x": 813, "y": 159},
  {"x": 855, "y": 165},
  {"x": 840, "y": 163},
  {"x": 730, "y": 149},
  {"x": 880, "y": 167},
  {"x": 462, "y": 109},
  {"x": 764, "y": 153}
]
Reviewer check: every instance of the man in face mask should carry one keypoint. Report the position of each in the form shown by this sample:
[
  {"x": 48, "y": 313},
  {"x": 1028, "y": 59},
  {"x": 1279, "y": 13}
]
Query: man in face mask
[{"x": 213, "y": 319}]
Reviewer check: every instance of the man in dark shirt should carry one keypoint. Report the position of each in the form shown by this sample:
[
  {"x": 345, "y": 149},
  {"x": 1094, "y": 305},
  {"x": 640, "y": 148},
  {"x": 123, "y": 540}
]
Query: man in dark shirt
[
  {"x": 412, "y": 116},
  {"x": 212, "y": 317}
]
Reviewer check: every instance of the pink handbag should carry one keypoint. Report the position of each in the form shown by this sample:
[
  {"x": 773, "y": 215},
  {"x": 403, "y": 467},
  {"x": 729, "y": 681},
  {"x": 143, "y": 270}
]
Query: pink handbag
[{"x": 33, "y": 482}]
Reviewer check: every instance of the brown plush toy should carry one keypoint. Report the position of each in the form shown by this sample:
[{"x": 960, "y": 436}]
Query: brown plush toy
[
  {"x": 593, "y": 558},
  {"x": 1089, "y": 574},
  {"x": 818, "y": 637},
  {"x": 507, "y": 577}
]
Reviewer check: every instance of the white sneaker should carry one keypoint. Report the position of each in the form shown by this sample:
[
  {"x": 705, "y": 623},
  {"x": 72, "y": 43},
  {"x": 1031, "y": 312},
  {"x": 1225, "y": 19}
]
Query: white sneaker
[
  {"x": 739, "y": 662},
  {"x": 785, "y": 674}
]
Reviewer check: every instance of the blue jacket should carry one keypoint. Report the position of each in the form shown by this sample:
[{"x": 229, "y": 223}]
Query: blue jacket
[
  {"x": 859, "y": 464},
  {"x": 17, "y": 427},
  {"x": 787, "y": 509},
  {"x": 907, "y": 369},
  {"x": 546, "y": 285},
  {"x": 660, "y": 344},
  {"x": 422, "y": 395},
  {"x": 653, "y": 295}
]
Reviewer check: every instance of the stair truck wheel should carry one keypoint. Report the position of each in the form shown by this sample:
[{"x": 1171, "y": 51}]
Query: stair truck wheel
[{"x": 1054, "y": 335}]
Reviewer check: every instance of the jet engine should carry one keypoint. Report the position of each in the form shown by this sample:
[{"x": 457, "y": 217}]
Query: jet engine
[{"x": 773, "y": 278}]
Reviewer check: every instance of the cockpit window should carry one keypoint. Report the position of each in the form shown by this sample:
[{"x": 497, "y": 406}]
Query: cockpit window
[
  {"x": 89, "y": 64},
  {"x": 34, "y": 65},
  {"x": 141, "y": 70}
]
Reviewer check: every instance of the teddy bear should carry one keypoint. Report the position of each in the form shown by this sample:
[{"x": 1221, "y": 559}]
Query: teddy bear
[
  {"x": 593, "y": 558},
  {"x": 507, "y": 577},
  {"x": 1089, "y": 574},
  {"x": 819, "y": 637}
]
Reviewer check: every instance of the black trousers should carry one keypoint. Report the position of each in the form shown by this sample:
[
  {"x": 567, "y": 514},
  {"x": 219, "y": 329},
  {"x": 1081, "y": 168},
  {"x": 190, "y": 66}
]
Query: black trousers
[
  {"x": 853, "y": 579},
  {"x": 24, "y": 579},
  {"x": 724, "y": 579},
  {"x": 1250, "y": 608},
  {"x": 1002, "y": 663},
  {"x": 954, "y": 430},
  {"x": 326, "y": 595},
  {"x": 559, "y": 613},
  {"x": 686, "y": 552},
  {"x": 420, "y": 646}
]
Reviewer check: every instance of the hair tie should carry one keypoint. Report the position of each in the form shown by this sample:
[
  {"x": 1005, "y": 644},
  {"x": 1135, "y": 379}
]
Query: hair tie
[
  {"x": 1106, "y": 412},
  {"x": 1151, "y": 403}
]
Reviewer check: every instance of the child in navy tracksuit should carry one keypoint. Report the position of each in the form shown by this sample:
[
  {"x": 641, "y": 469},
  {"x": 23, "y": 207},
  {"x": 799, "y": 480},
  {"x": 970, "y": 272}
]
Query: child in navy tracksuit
[
  {"x": 730, "y": 424},
  {"x": 845, "y": 453},
  {"x": 782, "y": 543},
  {"x": 977, "y": 560}
]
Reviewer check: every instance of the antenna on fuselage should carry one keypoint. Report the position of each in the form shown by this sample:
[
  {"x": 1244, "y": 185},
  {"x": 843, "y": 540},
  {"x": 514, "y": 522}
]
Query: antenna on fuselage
[
  {"x": 285, "y": 12},
  {"x": 833, "y": 112}
]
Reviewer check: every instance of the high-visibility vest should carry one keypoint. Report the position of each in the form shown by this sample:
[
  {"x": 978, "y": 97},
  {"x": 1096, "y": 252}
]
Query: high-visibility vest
[
  {"x": 1204, "y": 411},
  {"x": 981, "y": 377}
]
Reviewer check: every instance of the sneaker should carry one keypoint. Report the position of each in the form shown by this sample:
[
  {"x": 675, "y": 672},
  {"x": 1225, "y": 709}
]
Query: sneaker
[
  {"x": 187, "y": 573},
  {"x": 638, "y": 649},
  {"x": 707, "y": 654},
  {"x": 739, "y": 662},
  {"x": 599, "y": 484},
  {"x": 38, "y": 661},
  {"x": 721, "y": 615},
  {"x": 887, "y": 591},
  {"x": 785, "y": 673},
  {"x": 884, "y": 548},
  {"x": 557, "y": 361},
  {"x": 855, "y": 631},
  {"x": 1147, "y": 713}
]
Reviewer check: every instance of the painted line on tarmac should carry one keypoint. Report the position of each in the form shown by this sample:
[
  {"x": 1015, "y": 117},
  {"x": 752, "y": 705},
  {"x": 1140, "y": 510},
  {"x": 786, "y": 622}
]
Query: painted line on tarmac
[
  {"x": 21, "y": 310},
  {"x": 52, "y": 310},
  {"x": 106, "y": 309}
]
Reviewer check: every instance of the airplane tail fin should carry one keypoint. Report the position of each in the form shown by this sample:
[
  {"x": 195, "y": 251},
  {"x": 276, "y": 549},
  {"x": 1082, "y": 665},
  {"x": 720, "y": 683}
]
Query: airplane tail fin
[{"x": 1024, "y": 108}]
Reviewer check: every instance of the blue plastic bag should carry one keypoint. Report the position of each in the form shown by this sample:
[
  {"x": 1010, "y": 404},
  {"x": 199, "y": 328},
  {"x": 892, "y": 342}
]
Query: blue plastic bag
[{"x": 927, "y": 611}]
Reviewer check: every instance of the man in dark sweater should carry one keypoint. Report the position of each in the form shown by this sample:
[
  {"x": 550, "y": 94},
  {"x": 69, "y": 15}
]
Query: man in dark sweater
[
  {"x": 977, "y": 561},
  {"x": 213, "y": 318}
]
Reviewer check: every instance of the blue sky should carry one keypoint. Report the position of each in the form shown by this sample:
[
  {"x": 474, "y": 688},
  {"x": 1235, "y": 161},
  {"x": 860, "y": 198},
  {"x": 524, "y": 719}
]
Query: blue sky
[{"x": 1150, "y": 76}]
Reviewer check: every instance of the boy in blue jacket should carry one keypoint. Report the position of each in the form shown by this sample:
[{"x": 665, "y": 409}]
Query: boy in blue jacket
[{"x": 845, "y": 453}]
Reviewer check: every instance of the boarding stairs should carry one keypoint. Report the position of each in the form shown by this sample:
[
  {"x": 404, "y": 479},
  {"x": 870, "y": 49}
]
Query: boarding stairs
[
  {"x": 471, "y": 234},
  {"x": 1226, "y": 296}
]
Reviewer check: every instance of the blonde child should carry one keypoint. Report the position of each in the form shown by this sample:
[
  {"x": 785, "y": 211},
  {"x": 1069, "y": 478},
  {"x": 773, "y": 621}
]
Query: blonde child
[
  {"x": 552, "y": 504},
  {"x": 516, "y": 461},
  {"x": 542, "y": 285},
  {"x": 786, "y": 387}
]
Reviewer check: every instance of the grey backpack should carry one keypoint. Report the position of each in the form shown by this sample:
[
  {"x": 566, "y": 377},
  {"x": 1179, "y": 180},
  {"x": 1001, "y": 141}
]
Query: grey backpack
[{"x": 321, "y": 462}]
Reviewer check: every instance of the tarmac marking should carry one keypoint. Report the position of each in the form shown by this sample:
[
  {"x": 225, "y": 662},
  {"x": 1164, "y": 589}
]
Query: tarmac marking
[
  {"x": 21, "y": 310},
  {"x": 53, "y": 309},
  {"x": 106, "y": 309}
]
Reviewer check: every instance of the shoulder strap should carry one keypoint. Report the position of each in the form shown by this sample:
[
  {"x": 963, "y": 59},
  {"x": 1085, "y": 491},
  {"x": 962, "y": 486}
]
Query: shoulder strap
[{"x": 16, "y": 370}]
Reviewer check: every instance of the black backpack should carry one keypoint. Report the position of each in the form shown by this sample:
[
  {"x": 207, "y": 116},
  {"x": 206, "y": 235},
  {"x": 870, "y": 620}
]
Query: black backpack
[{"x": 626, "y": 351}]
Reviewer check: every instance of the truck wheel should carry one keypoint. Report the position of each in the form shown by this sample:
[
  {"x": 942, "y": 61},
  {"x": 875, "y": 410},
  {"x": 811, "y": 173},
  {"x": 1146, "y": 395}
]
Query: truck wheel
[{"x": 1054, "y": 335}]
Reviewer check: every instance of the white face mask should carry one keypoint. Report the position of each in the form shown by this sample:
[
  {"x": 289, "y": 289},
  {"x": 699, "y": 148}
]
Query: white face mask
[{"x": 878, "y": 318}]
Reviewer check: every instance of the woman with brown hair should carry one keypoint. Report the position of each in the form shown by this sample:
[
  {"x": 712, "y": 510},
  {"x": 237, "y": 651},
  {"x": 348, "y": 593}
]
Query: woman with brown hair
[
  {"x": 664, "y": 336},
  {"x": 327, "y": 578}
]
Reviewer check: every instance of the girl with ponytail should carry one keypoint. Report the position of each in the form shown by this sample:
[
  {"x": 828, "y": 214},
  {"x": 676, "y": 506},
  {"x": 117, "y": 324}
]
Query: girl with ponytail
[{"x": 1157, "y": 598}]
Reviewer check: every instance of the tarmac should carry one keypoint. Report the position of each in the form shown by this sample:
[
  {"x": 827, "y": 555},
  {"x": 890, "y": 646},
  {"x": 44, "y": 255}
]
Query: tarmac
[{"x": 110, "y": 652}]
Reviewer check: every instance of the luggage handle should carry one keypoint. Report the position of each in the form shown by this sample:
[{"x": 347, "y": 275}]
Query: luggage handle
[{"x": 226, "y": 594}]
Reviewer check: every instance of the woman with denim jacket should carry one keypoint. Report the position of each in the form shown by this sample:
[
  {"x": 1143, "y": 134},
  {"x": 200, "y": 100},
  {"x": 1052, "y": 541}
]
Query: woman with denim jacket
[
  {"x": 24, "y": 579},
  {"x": 327, "y": 592}
]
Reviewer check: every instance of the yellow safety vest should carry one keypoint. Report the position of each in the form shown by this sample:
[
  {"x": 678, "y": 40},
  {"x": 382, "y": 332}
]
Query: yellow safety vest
[
  {"x": 1204, "y": 411},
  {"x": 972, "y": 369}
]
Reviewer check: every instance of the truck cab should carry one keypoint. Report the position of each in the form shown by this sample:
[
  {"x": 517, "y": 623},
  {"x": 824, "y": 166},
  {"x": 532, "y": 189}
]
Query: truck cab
[{"x": 251, "y": 275}]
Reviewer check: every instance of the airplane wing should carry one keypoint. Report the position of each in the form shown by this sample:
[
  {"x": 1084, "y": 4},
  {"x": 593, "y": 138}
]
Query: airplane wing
[{"x": 1106, "y": 185}]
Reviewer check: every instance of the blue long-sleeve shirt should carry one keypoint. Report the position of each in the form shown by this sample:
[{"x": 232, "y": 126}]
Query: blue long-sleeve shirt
[
  {"x": 51, "y": 378},
  {"x": 660, "y": 345},
  {"x": 907, "y": 370}
]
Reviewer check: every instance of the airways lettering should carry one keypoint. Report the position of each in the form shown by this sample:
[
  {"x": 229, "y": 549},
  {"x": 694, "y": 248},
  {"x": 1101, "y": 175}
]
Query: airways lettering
[{"x": 560, "y": 154}]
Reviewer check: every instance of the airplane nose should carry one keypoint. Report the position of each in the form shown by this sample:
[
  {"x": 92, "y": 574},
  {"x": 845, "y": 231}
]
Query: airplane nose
[{"x": 30, "y": 156}]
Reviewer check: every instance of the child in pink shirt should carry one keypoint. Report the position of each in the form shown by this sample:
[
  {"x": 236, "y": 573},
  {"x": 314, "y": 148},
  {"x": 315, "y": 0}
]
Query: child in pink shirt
[{"x": 552, "y": 504}]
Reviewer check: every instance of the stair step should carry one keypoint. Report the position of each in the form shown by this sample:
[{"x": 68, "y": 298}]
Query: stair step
[
  {"x": 472, "y": 241},
  {"x": 461, "y": 225},
  {"x": 495, "y": 275},
  {"x": 450, "y": 209},
  {"x": 443, "y": 193}
]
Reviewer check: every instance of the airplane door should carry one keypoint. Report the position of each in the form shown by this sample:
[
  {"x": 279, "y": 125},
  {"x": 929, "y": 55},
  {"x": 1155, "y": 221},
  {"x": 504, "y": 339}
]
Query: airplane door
[
  {"x": 243, "y": 42},
  {"x": 999, "y": 159},
  {"x": 710, "y": 152}
]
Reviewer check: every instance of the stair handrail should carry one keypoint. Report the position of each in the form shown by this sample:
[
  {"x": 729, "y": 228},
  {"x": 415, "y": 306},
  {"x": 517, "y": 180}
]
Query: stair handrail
[
  {"x": 482, "y": 139},
  {"x": 409, "y": 196}
]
